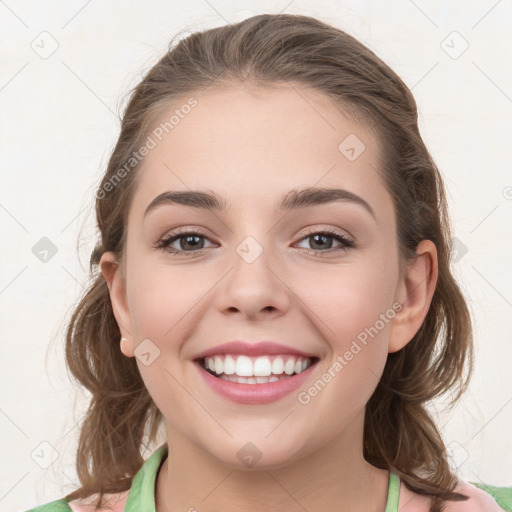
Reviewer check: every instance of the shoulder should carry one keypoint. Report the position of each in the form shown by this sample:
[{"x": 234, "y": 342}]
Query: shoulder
[
  {"x": 492, "y": 499},
  {"x": 483, "y": 498},
  {"x": 53, "y": 506},
  {"x": 478, "y": 500},
  {"x": 113, "y": 503}
]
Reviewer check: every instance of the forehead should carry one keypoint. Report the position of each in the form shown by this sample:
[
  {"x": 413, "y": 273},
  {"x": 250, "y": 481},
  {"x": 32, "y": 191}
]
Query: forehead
[{"x": 251, "y": 145}]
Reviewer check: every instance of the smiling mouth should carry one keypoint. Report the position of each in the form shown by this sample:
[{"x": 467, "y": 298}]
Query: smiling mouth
[{"x": 255, "y": 370}]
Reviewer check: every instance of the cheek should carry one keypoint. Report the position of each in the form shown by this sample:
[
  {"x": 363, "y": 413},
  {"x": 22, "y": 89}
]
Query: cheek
[
  {"x": 162, "y": 297},
  {"x": 348, "y": 299},
  {"x": 354, "y": 308},
  {"x": 162, "y": 303}
]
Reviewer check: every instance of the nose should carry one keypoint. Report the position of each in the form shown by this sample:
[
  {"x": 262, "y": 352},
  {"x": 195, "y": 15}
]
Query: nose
[{"x": 255, "y": 286}]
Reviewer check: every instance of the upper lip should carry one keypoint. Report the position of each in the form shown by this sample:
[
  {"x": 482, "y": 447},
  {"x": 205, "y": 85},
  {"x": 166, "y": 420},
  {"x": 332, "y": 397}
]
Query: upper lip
[{"x": 260, "y": 348}]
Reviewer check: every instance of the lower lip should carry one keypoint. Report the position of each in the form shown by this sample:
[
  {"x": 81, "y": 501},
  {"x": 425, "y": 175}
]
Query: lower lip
[{"x": 254, "y": 393}]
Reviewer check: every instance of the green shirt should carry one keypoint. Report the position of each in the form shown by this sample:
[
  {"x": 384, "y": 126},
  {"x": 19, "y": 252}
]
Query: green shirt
[{"x": 141, "y": 497}]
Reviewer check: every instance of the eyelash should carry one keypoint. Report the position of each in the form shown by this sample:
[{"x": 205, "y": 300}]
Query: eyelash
[{"x": 164, "y": 243}]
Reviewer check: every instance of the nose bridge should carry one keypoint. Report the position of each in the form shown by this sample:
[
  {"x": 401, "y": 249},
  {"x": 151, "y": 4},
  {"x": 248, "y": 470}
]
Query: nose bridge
[{"x": 253, "y": 284}]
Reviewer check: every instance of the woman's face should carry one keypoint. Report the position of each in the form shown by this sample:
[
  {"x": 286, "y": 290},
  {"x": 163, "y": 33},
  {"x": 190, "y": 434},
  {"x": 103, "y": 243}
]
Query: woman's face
[{"x": 264, "y": 265}]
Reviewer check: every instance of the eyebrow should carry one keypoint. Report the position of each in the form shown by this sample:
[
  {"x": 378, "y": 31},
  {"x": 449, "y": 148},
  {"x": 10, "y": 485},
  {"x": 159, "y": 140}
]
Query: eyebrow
[{"x": 293, "y": 200}]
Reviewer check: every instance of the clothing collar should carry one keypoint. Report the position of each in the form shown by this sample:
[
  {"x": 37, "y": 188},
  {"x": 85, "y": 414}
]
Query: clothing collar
[{"x": 142, "y": 491}]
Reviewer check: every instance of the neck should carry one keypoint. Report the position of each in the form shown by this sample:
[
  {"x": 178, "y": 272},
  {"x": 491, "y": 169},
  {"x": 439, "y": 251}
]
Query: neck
[{"x": 334, "y": 477}]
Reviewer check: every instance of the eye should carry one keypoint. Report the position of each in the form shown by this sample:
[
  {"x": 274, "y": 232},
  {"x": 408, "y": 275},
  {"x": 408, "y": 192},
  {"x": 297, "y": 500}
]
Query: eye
[
  {"x": 321, "y": 241},
  {"x": 189, "y": 242},
  {"x": 192, "y": 241}
]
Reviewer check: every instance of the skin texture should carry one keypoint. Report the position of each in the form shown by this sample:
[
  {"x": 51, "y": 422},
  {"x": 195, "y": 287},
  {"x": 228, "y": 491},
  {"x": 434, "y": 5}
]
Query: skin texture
[{"x": 251, "y": 146}]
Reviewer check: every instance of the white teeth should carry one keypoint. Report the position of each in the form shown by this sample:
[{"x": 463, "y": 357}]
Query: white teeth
[
  {"x": 244, "y": 367},
  {"x": 258, "y": 369},
  {"x": 262, "y": 367},
  {"x": 229, "y": 365},
  {"x": 278, "y": 365},
  {"x": 289, "y": 366},
  {"x": 252, "y": 380}
]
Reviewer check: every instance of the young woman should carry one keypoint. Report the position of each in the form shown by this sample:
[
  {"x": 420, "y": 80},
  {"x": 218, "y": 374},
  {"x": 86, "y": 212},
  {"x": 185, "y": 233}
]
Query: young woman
[{"x": 272, "y": 287}]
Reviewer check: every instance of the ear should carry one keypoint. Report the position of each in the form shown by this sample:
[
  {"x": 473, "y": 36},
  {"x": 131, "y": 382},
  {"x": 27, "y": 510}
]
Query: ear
[
  {"x": 116, "y": 282},
  {"x": 414, "y": 292}
]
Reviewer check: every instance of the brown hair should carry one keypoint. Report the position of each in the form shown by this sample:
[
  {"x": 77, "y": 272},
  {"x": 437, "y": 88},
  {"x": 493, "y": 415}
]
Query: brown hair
[{"x": 399, "y": 433}]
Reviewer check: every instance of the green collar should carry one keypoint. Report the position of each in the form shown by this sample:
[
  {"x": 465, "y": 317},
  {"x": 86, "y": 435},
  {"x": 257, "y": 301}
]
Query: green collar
[
  {"x": 393, "y": 493},
  {"x": 142, "y": 492}
]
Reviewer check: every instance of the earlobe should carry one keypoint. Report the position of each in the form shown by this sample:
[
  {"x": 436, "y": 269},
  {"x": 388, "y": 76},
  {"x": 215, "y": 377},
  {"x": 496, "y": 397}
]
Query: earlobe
[
  {"x": 116, "y": 282},
  {"x": 414, "y": 293},
  {"x": 127, "y": 347}
]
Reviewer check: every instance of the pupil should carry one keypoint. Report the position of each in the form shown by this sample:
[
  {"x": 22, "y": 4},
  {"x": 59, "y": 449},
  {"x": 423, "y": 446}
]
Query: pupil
[
  {"x": 323, "y": 237},
  {"x": 187, "y": 241}
]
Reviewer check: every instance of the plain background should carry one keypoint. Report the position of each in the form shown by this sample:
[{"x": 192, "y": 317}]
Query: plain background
[{"x": 59, "y": 122}]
